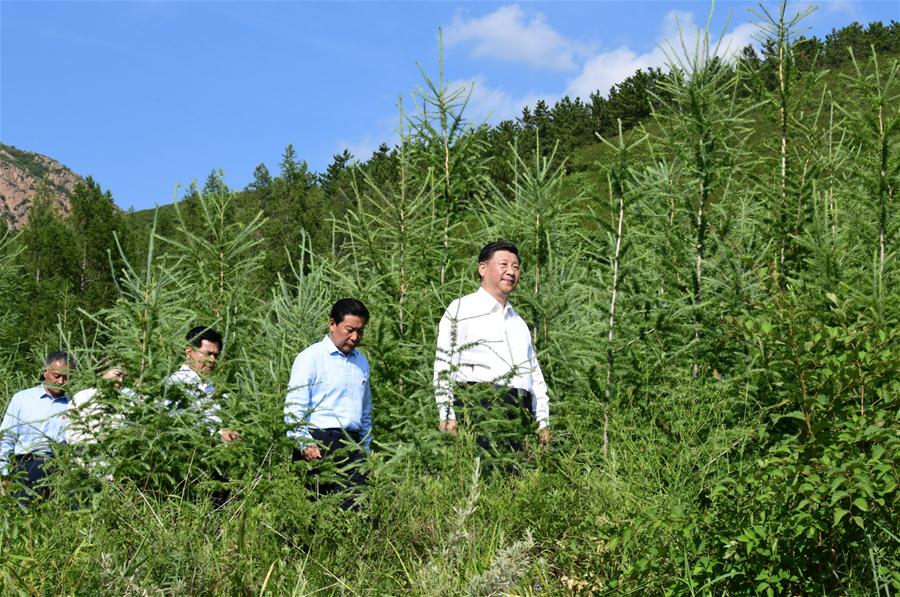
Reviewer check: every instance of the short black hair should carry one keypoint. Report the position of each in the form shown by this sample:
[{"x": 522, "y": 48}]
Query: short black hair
[
  {"x": 198, "y": 334},
  {"x": 498, "y": 245},
  {"x": 60, "y": 355},
  {"x": 348, "y": 306}
]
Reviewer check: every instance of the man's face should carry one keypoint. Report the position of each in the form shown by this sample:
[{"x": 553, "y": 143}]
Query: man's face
[
  {"x": 56, "y": 376},
  {"x": 202, "y": 360},
  {"x": 500, "y": 274},
  {"x": 347, "y": 334}
]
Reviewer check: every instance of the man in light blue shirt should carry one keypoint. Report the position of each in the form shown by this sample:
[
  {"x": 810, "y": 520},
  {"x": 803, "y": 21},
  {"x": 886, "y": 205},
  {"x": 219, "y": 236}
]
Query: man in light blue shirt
[
  {"x": 34, "y": 422},
  {"x": 329, "y": 401}
]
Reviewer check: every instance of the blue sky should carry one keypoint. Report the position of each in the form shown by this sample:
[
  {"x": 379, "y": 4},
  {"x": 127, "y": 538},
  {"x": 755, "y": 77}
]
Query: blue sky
[{"x": 146, "y": 96}]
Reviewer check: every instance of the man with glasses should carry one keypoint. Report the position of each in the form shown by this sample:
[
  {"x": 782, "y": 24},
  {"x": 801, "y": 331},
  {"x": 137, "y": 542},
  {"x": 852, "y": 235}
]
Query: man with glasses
[{"x": 201, "y": 356}]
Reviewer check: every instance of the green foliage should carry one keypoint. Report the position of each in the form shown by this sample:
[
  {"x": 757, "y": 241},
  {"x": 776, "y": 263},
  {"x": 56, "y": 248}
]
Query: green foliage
[
  {"x": 95, "y": 220},
  {"x": 714, "y": 299},
  {"x": 10, "y": 289}
]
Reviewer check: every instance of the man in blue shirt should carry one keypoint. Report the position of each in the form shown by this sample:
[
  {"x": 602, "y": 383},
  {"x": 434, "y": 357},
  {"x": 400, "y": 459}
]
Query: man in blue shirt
[
  {"x": 34, "y": 422},
  {"x": 329, "y": 401}
]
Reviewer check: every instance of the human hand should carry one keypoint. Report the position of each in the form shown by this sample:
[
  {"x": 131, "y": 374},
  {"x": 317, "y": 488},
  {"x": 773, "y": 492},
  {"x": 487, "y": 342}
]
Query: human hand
[
  {"x": 229, "y": 435},
  {"x": 311, "y": 453},
  {"x": 449, "y": 426},
  {"x": 544, "y": 437}
]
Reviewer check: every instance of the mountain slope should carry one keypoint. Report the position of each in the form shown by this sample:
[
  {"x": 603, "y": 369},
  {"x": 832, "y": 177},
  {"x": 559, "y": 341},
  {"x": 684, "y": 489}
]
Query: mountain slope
[{"x": 23, "y": 174}]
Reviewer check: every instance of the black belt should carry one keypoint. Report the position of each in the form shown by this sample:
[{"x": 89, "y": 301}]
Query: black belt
[
  {"x": 510, "y": 396},
  {"x": 20, "y": 458},
  {"x": 336, "y": 432}
]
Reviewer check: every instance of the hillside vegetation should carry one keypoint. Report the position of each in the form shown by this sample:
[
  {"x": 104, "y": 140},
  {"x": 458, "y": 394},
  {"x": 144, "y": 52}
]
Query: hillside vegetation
[{"x": 713, "y": 290}]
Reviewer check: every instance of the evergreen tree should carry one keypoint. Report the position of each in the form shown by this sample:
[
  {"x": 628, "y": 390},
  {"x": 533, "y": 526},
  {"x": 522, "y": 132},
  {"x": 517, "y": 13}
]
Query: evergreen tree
[
  {"x": 570, "y": 126},
  {"x": 702, "y": 136},
  {"x": 11, "y": 303},
  {"x": 336, "y": 184},
  {"x": 793, "y": 149},
  {"x": 840, "y": 42},
  {"x": 873, "y": 123},
  {"x": 382, "y": 166},
  {"x": 215, "y": 183},
  {"x": 293, "y": 210},
  {"x": 262, "y": 180},
  {"x": 634, "y": 98},
  {"x": 51, "y": 263},
  {"x": 95, "y": 220},
  {"x": 445, "y": 147}
]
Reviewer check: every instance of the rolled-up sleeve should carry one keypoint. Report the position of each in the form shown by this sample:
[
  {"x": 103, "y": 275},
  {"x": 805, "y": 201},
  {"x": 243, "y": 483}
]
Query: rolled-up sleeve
[
  {"x": 366, "y": 418},
  {"x": 539, "y": 391},
  {"x": 447, "y": 339}
]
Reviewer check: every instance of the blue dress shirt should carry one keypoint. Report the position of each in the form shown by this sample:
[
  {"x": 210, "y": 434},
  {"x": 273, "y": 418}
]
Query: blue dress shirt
[
  {"x": 329, "y": 390},
  {"x": 34, "y": 420}
]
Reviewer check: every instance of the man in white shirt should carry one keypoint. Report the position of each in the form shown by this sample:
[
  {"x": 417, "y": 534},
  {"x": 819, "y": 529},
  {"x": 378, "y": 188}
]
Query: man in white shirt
[
  {"x": 86, "y": 417},
  {"x": 483, "y": 342},
  {"x": 201, "y": 356}
]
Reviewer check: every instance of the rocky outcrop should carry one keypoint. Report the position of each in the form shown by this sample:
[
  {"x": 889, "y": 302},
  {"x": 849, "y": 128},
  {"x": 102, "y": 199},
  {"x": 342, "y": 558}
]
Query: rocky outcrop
[{"x": 22, "y": 175}]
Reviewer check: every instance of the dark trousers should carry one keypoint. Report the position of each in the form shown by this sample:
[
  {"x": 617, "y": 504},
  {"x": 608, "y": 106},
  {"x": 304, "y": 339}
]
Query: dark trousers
[
  {"x": 29, "y": 471},
  {"x": 340, "y": 447},
  {"x": 500, "y": 417}
]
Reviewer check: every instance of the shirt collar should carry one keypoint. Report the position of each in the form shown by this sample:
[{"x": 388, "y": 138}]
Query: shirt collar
[
  {"x": 46, "y": 394},
  {"x": 186, "y": 369},
  {"x": 332, "y": 349},
  {"x": 493, "y": 304}
]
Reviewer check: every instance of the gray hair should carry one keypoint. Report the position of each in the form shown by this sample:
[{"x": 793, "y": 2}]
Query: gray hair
[{"x": 60, "y": 355}]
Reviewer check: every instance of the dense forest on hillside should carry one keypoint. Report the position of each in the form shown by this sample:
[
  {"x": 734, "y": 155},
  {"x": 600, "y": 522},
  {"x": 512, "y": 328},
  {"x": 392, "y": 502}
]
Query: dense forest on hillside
[{"x": 710, "y": 274}]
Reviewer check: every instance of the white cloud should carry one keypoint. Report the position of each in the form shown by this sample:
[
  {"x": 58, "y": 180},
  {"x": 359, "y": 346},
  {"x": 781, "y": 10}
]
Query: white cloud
[
  {"x": 678, "y": 39},
  {"x": 508, "y": 34},
  {"x": 742, "y": 36},
  {"x": 681, "y": 33},
  {"x": 493, "y": 104},
  {"x": 678, "y": 33},
  {"x": 605, "y": 70},
  {"x": 362, "y": 149},
  {"x": 847, "y": 7}
]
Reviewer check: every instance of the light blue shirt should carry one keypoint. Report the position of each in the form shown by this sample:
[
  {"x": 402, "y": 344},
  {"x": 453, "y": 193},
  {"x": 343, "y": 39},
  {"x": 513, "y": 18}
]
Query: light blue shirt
[
  {"x": 34, "y": 420},
  {"x": 329, "y": 390}
]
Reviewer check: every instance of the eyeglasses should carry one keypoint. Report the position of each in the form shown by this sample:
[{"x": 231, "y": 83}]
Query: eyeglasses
[{"x": 207, "y": 354}]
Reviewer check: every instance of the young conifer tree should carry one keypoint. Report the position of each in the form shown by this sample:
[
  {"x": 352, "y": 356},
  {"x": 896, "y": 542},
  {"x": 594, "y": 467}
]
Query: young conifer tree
[
  {"x": 792, "y": 167},
  {"x": 703, "y": 133},
  {"x": 217, "y": 263},
  {"x": 393, "y": 260},
  {"x": 443, "y": 142},
  {"x": 10, "y": 306},
  {"x": 214, "y": 260},
  {"x": 873, "y": 122},
  {"x": 201, "y": 280},
  {"x": 142, "y": 334},
  {"x": 294, "y": 316},
  {"x": 607, "y": 249}
]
